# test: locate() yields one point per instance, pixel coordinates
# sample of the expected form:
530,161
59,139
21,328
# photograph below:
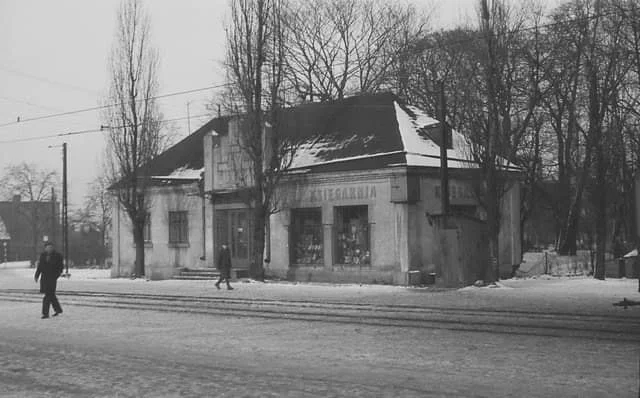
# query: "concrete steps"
198,274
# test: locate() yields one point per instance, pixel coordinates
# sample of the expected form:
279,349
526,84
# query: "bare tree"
605,70
135,134
564,105
511,69
97,208
255,65
343,47
34,186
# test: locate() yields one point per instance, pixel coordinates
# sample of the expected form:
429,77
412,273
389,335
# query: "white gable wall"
162,259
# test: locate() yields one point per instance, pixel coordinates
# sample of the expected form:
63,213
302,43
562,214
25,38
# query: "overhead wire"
96,108
101,129
417,49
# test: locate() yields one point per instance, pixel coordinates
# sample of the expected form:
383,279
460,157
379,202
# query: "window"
178,227
146,233
240,230
352,235
306,236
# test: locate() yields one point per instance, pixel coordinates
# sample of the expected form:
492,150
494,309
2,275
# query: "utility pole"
65,221
444,141
54,218
188,118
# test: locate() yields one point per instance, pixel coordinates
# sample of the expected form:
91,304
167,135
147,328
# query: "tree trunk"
138,239
569,233
256,270
494,246
493,224
601,214
601,232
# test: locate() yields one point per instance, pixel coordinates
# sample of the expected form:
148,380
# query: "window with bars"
178,227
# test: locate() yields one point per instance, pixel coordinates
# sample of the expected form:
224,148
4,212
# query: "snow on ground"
89,274
495,285
80,274
545,294
15,264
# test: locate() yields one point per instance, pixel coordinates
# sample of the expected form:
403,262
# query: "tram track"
554,324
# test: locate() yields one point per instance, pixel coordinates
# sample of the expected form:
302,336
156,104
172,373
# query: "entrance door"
233,227
240,233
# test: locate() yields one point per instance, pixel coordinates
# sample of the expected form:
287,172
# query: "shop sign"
341,193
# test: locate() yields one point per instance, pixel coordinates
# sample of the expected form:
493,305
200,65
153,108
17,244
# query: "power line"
45,80
102,129
17,100
96,108
415,50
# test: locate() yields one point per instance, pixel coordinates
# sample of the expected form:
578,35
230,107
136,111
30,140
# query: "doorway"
233,227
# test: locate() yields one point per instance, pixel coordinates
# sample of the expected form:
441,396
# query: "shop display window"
306,236
352,244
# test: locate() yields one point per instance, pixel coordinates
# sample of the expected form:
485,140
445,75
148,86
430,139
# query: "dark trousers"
48,300
223,278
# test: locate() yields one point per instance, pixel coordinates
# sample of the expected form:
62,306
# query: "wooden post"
65,220
444,167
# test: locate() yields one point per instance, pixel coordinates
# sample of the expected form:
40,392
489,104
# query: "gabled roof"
185,160
360,132
378,128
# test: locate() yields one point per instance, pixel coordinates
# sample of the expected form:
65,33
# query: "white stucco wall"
401,237
388,228
162,260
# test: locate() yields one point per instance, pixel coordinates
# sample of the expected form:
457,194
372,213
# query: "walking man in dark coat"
224,266
50,268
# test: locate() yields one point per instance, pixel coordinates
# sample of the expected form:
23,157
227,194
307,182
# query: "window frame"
339,229
178,227
296,231
146,232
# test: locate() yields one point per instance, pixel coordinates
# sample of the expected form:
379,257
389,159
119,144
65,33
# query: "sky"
53,59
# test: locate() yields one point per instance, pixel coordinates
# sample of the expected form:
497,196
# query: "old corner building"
360,202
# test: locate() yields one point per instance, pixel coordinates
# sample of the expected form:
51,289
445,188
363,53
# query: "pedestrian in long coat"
50,267
224,266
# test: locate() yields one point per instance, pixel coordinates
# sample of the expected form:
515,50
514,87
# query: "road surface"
134,346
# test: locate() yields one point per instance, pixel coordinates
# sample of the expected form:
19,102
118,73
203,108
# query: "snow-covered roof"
182,173
184,161
365,131
377,128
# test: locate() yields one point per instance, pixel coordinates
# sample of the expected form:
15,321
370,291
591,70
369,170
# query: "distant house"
28,224
5,239
355,205
86,246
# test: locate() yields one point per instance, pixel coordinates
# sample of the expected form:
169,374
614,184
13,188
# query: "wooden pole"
444,140
65,220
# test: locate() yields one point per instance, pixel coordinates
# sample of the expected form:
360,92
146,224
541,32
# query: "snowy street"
180,338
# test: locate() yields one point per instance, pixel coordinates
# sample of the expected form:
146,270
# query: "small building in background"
29,224
5,242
